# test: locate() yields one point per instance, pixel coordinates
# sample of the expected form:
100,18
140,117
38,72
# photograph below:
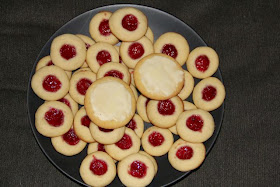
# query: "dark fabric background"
244,33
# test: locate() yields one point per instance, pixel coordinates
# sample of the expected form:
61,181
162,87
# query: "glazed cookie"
132,52
131,76
150,35
68,52
88,41
137,125
53,118
209,94
70,103
127,145
134,91
99,54
203,62
128,24
93,147
68,144
50,83
98,169
136,170
158,77
195,125
110,103
152,159
188,86
79,84
174,45
142,103
185,156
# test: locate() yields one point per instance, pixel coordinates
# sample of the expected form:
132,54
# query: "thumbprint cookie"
150,35
142,103
137,125
188,86
70,103
88,41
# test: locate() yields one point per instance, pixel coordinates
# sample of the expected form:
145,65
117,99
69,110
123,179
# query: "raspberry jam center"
169,50
83,85
132,124
85,121
70,137
138,169
130,22
105,130
68,51
104,28
101,147
209,93
195,123
125,142
98,167
184,153
51,83
54,117
135,50
156,139
103,57
50,63
166,107
65,101
114,73
202,63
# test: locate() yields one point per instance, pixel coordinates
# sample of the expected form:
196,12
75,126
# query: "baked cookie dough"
188,86
134,91
88,41
150,35
131,77
137,125
45,61
142,103
93,147
152,159
73,105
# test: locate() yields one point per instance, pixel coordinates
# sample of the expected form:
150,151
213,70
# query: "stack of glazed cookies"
90,86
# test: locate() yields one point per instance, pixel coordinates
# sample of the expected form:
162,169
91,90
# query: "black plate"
160,22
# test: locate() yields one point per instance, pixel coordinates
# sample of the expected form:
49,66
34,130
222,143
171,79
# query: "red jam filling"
138,169
202,63
51,83
101,147
166,107
184,153
83,85
135,50
104,28
156,139
209,93
132,124
68,51
98,167
114,73
103,57
169,50
54,117
105,130
130,22
195,123
87,46
120,59
147,101
85,121
65,101
50,63
70,137
125,142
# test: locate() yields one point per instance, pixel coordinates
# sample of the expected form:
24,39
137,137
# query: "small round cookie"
188,86
79,84
73,105
137,125
128,24
142,103
50,83
98,169
195,125
185,156
134,91
159,76
120,58
131,77
136,170
209,94
174,45
110,103
85,65
106,136
99,28
127,145
68,144
152,159
150,35
93,147
88,41
165,113
68,52
203,62
114,70
99,54
45,61
53,119
132,52
82,70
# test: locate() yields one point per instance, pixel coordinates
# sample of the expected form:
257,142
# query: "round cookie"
174,45
203,62
137,125
209,94
82,70
70,103
136,170
131,77
120,58
165,113
53,119
158,76
157,141
188,86
142,103
50,83
152,159
68,52
85,65
93,147
128,24
134,91
150,35
185,156
88,41
98,169
195,125
110,103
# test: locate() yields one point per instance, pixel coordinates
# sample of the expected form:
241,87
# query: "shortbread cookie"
93,147
188,86
203,62
152,159
53,119
73,105
131,76
50,83
195,125
209,94
98,169
82,70
137,125
185,156
68,52
150,35
136,170
134,91
120,58
110,103
158,76
142,103
174,45
88,41
128,24
85,65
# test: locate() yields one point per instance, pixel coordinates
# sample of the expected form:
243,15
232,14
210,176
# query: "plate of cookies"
126,95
